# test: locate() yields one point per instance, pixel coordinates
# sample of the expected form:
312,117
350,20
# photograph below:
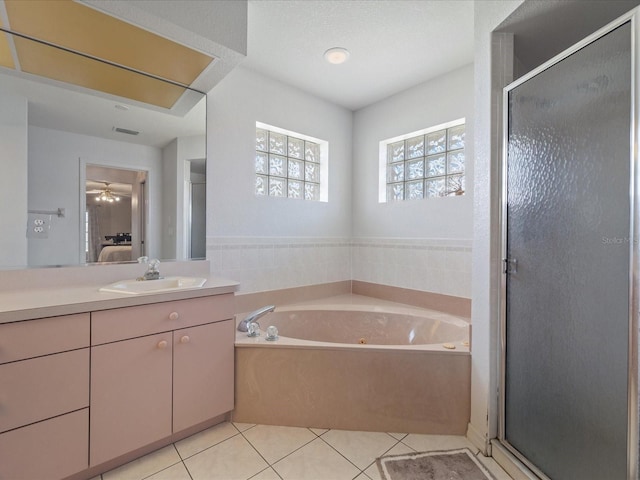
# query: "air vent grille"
125,130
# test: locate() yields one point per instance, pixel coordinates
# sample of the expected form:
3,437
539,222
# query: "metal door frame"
634,227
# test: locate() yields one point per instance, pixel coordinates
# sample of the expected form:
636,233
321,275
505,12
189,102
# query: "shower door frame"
633,17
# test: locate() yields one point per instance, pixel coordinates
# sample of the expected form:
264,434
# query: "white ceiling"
394,44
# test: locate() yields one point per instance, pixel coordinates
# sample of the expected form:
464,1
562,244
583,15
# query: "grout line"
163,469
187,469
410,448
340,453
278,460
383,454
264,470
209,447
257,451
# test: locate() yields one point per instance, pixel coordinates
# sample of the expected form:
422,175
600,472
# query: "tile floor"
236,451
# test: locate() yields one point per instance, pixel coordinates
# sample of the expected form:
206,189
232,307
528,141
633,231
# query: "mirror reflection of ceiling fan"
107,192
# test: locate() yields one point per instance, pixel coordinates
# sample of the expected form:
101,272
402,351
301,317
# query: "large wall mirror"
69,149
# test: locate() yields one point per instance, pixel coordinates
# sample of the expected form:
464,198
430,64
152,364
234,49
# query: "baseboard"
479,440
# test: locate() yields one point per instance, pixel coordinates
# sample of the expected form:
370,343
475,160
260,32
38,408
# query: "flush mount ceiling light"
336,55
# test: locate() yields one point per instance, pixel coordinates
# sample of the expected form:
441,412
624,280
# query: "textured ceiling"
394,45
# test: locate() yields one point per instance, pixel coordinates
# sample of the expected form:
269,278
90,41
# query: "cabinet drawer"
52,449
129,322
40,388
43,336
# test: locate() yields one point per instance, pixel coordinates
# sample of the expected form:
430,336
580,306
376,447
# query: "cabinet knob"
185,339
162,344
174,316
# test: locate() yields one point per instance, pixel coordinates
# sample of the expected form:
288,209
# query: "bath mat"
458,464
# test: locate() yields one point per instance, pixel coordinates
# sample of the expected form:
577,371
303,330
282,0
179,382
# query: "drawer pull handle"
185,339
174,316
162,344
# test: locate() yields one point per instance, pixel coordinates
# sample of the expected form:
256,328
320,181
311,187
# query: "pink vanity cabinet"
44,397
158,369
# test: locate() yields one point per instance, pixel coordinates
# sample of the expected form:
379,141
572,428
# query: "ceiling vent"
125,130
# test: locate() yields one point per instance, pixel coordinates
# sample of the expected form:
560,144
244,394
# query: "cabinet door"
202,373
130,395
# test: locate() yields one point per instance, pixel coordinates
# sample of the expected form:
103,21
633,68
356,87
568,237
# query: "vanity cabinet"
158,369
44,397
203,373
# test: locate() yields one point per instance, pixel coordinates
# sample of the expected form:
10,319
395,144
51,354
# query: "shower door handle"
509,265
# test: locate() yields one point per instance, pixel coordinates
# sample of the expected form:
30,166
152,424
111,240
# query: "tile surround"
440,266
245,451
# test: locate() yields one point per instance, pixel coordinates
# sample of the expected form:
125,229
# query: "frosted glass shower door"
567,245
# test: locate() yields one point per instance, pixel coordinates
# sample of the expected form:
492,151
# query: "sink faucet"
153,270
243,326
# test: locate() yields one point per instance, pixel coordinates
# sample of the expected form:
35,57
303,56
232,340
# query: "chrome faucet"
252,317
153,270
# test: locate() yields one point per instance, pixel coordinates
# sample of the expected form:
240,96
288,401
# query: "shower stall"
570,218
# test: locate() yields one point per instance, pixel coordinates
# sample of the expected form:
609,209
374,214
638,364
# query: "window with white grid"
288,164
424,164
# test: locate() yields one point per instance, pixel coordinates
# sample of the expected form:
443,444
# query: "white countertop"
27,303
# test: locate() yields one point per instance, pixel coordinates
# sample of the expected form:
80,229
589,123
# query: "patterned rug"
460,464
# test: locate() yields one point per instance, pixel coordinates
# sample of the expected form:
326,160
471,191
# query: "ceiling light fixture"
336,55
106,195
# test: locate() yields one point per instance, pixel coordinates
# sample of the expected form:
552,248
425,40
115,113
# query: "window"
289,164
424,164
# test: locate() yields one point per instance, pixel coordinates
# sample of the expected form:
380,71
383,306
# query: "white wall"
486,262
13,180
423,244
443,99
55,160
239,219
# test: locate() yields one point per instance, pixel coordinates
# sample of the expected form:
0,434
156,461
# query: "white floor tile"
400,449
361,448
233,459
319,431
424,443
145,466
177,472
205,439
362,476
275,443
315,461
244,426
398,436
268,474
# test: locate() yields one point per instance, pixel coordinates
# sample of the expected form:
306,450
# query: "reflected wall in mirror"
52,134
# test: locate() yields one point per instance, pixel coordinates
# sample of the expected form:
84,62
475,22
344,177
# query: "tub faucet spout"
252,317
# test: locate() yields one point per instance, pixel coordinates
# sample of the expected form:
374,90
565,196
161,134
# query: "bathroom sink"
167,284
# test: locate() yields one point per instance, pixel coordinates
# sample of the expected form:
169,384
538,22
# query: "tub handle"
253,317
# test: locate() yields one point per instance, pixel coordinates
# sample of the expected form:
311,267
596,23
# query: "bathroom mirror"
53,131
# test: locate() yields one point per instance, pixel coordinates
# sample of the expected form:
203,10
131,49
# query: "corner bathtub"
355,363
